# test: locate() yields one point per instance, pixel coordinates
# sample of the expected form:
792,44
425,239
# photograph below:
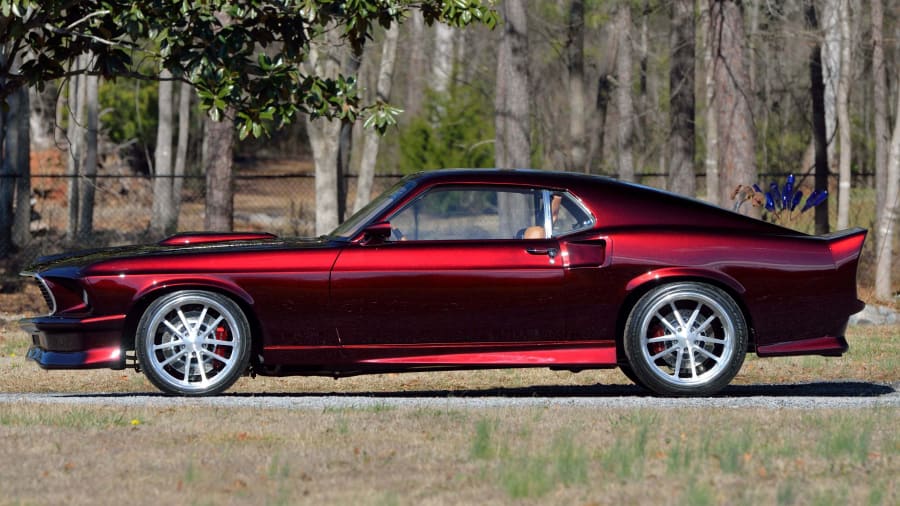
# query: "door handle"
551,252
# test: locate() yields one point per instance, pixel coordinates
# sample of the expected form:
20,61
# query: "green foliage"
455,130
134,103
244,55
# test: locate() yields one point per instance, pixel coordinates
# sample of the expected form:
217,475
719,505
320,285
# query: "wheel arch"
640,285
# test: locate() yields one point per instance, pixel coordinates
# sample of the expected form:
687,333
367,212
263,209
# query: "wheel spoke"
174,329
666,323
693,363
217,342
172,358
678,359
187,367
712,340
184,320
664,353
200,319
169,344
709,355
202,366
220,358
677,314
694,315
661,339
705,325
210,328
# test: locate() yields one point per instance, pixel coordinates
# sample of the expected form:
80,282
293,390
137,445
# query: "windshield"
349,228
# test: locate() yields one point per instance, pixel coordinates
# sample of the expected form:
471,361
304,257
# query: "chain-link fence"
283,204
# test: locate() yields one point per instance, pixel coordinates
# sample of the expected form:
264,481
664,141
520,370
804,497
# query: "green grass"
70,418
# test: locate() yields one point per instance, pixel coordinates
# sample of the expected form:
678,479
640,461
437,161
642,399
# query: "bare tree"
89,180
512,101
219,143
711,134
163,208
184,126
681,99
76,143
624,100
888,217
820,129
736,141
831,66
324,137
372,138
843,116
442,60
577,159
880,104
415,66
18,137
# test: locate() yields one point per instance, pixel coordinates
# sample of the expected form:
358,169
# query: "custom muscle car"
460,269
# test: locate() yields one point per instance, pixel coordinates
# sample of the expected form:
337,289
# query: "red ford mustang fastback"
461,269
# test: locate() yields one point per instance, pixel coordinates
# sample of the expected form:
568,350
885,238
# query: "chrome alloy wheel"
686,338
193,343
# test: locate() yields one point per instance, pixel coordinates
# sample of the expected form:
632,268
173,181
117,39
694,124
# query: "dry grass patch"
379,455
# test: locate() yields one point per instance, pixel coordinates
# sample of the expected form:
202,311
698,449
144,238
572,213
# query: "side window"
468,213
568,215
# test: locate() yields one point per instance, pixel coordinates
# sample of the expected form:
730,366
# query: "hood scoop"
193,238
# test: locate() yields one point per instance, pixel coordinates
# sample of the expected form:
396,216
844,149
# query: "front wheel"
193,343
685,339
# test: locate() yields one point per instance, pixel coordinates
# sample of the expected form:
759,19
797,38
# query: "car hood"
84,258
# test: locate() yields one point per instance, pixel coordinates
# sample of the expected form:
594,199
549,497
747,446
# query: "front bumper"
76,343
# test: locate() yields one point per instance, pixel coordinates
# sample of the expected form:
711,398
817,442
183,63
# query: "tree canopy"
238,54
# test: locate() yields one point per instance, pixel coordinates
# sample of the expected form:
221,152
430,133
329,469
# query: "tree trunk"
88,182
711,156
888,218
512,102
184,128
575,43
20,154
736,141
881,106
442,61
820,136
7,186
831,67
681,98
162,163
416,66
75,140
324,136
624,101
219,185
843,111
372,138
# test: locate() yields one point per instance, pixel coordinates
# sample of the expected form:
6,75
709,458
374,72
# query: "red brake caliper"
657,331
221,335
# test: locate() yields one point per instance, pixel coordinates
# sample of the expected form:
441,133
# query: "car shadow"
817,389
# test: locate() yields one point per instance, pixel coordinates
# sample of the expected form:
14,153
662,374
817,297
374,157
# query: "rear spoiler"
845,245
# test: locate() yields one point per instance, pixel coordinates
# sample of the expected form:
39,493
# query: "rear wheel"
685,339
193,343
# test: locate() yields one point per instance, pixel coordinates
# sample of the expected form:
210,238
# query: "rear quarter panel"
786,284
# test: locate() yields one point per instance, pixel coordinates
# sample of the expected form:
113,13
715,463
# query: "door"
466,268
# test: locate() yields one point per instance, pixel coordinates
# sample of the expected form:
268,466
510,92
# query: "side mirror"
377,232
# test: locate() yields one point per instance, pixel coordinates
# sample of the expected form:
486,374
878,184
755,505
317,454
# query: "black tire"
629,373
193,343
685,339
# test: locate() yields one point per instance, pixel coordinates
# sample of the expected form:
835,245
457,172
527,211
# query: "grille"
48,297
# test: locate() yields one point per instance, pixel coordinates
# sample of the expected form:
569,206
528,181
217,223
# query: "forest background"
127,122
